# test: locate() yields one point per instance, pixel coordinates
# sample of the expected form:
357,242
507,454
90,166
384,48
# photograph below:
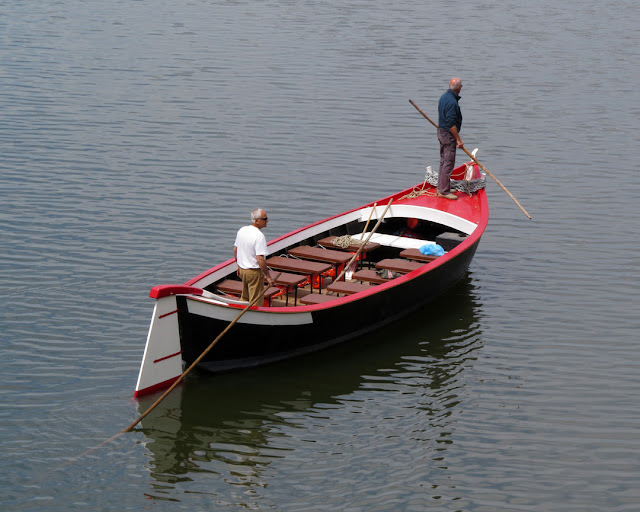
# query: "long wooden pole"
353,258
476,161
200,357
368,220
178,380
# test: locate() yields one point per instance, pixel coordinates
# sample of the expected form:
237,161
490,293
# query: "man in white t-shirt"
249,251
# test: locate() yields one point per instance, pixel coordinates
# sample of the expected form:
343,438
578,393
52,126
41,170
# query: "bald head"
455,84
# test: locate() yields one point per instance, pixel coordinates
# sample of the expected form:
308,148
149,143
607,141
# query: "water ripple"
136,137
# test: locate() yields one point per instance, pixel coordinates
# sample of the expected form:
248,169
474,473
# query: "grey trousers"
448,148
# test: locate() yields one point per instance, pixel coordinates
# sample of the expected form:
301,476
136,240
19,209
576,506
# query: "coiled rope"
345,241
431,177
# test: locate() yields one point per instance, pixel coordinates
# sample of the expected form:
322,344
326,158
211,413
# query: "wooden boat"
313,306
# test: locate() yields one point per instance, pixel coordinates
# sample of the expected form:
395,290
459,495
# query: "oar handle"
423,114
368,220
476,161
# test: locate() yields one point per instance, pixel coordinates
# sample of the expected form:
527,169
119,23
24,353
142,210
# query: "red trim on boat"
164,290
155,387
169,313
167,357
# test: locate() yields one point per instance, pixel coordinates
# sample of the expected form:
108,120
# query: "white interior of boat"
400,242
420,212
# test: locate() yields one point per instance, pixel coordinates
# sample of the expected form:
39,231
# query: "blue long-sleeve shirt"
449,111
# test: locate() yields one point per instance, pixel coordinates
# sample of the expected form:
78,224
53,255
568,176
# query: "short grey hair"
256,214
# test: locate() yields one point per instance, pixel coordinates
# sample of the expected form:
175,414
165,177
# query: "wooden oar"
362,246
497,181
200,357
368,220
479,164
352,262
178,380
425,115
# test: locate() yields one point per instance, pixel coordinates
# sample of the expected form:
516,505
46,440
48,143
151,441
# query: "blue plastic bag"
432,250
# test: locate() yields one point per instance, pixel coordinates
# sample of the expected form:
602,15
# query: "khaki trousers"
252,284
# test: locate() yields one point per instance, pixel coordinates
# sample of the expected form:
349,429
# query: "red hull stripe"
156,387
167,314
167,357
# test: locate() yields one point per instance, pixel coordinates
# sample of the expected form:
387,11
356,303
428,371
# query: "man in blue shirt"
449,123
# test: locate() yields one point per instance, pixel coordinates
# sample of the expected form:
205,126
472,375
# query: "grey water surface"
135,137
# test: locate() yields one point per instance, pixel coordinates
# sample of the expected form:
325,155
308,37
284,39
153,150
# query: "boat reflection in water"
232,425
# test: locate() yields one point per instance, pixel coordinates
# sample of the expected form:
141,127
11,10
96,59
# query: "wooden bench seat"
337,259
289,282
305,267
399,265
347,288
415,254
319,254
233,287
297,266
317,298
370,276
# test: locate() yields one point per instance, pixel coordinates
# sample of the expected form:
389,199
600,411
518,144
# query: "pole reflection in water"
239,427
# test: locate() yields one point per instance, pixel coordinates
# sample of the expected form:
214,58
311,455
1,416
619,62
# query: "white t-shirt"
250,242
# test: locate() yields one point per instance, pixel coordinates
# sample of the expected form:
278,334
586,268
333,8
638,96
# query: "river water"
135,137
